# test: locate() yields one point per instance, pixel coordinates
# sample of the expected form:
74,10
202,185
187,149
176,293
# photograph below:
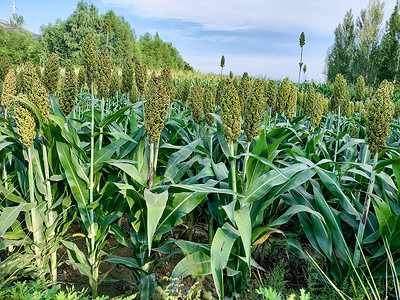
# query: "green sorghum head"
127,76
302,39
220,92
270,94
68,93
244,91
196,102
309,101
69,66
326,106
90,59
353,129
168,81
51,73
339,96
282,96
36,91
318,109
10,87
222,61
360,89
254,110
140,76
379,115
24,118
290,108
115,84
39,72
20,79
230,112
81,78
209,104
104,74
4,67
156,108
231,75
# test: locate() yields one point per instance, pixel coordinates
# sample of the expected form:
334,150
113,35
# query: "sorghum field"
154,184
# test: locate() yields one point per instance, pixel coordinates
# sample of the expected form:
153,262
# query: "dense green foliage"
65,38
364,47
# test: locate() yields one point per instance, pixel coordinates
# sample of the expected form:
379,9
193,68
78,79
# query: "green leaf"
114,116
179,156
155,207
77,185
10,215
243,223
148,286
221,248
295,209
129,262
130,170
180,204
195,264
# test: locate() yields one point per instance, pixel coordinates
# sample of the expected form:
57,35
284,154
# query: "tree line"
109,31
363,46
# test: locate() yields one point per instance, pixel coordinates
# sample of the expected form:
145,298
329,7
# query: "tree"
368,33
340,55
389,48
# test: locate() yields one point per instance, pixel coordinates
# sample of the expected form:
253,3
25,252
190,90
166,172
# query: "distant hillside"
7,26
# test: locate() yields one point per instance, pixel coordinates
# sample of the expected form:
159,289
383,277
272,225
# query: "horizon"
256,37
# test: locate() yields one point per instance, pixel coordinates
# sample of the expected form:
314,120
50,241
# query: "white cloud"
320,16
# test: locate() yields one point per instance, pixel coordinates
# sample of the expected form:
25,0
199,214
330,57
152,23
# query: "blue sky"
260,37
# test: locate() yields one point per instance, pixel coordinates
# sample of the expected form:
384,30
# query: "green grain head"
360,89
244,91
68,93
209,104
104,74
24,118
196,102
220,92
166,76
230,112
270,93
254,110
156,108
318,109
302,39
379,115
115,84
290,108
39,72
90,59
353,132
300,100
36,91
282,96
339,96
4,67
51,73
231,75
10,87
140,76
127,76
69,66
309,101
20,79
81,78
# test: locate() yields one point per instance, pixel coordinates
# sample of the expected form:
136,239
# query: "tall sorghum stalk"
252,116
302,43
156,108
377,124
103,83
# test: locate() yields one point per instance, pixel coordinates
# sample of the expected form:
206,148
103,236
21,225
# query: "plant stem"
50,215
91,231
337,135
101,128
246,158
363,222
151,165
233,169
156,154
37,237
